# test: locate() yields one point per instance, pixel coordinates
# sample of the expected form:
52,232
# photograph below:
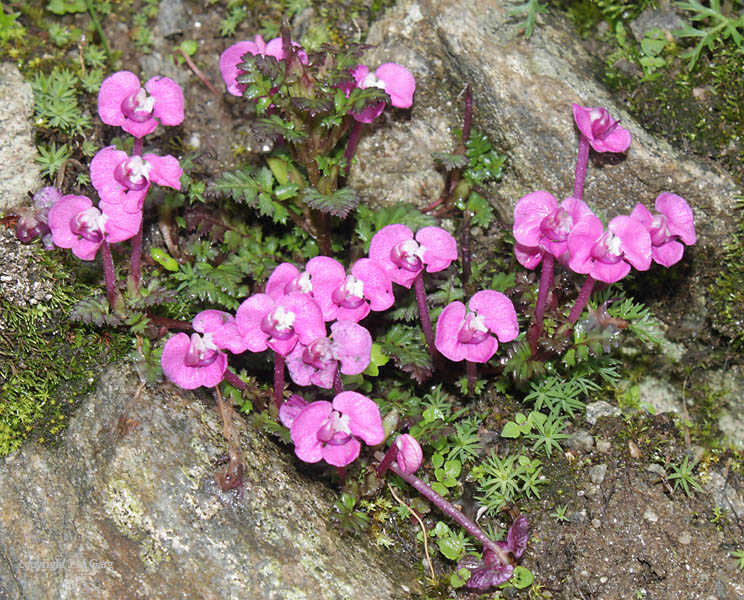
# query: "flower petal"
364,416
168,100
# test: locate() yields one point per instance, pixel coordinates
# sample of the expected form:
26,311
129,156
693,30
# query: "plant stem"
546,282
135,262
351,145
338,385
418,286
453,513
278,379
234,380
581,161
109,274
137,146
471,370
582,299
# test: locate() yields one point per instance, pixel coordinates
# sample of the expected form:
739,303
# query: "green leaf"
339,204
280,169
451,547
286,191
452,469
522,577
439,488
377,359
62,7
511,430
164,259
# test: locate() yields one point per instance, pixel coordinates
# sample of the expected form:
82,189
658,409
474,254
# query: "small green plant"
528,11
683,477
739,556
559,514
716,27
446,473
56,104
51,158
348,516
501,481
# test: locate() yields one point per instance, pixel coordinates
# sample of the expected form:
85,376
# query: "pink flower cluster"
121,181
395,80
290,318
573,235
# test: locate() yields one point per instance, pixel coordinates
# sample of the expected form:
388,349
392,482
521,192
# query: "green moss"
727,297
46,362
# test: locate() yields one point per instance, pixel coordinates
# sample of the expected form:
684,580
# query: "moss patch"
46,362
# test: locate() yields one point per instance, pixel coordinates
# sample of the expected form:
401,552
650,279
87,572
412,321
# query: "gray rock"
581,440
660,395
597,473
522,96
595,410
665,19
172,17
19,174
125,506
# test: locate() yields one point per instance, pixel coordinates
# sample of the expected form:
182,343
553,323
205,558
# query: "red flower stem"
471,370
278,379
453,513
546,282
234,380
197,71
581,161
418,286
582,299
351,145
387,460
109,274
135,261
338,385
137,147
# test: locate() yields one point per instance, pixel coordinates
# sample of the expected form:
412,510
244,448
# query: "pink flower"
672,227
75,223
541,225
331,431
193,362
394,79
123,102
124,180
316,363
279,325
403,258
608,255
233,56
339,296
603,132
34,220
410,456
466,334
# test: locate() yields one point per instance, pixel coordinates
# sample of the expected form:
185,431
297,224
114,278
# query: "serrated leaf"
450,161
338,204
94,311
